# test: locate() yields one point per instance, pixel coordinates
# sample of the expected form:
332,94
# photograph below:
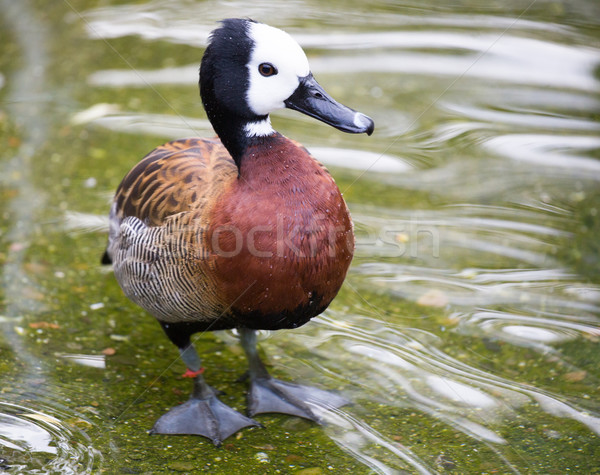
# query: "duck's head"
249,70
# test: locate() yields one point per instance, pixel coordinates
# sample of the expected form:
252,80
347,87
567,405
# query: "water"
467,331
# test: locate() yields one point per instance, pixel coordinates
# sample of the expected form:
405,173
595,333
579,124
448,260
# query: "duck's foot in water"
203,414
268,394
271,395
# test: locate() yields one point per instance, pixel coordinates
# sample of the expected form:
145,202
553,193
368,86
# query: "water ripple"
400,370
551,151
40,442
456,288
163,125
534,331
520,235
355,436
521,118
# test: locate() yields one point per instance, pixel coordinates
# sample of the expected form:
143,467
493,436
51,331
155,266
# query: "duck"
245,231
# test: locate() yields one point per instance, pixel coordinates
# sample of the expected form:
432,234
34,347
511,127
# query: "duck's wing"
177,177
157,237
173,178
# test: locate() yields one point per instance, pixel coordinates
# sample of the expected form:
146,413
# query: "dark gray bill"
311,99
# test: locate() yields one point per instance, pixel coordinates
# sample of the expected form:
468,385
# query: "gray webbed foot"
208,417
272,395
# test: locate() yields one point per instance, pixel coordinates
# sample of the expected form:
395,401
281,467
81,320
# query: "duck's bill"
311,99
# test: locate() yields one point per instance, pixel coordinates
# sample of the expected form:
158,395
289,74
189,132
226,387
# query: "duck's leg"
268,394
203,414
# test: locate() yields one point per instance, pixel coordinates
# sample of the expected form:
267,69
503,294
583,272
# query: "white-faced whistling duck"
244,231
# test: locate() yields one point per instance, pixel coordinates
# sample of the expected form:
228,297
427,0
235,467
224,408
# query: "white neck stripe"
259,129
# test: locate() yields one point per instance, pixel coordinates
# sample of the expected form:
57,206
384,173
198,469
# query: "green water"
467,332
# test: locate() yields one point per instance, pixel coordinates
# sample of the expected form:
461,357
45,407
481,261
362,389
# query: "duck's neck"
239,135
237,131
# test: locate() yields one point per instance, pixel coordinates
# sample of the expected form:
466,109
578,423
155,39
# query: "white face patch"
276,47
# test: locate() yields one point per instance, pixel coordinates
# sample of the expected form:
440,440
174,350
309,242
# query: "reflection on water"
21,434
465,334
144,123
94,361
33,441
505,53
548,150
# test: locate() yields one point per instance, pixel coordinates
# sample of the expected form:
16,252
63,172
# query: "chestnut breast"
280,236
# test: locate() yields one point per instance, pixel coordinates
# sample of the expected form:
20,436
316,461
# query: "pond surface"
467,332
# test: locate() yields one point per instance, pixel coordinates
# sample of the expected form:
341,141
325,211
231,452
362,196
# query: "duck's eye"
267,69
